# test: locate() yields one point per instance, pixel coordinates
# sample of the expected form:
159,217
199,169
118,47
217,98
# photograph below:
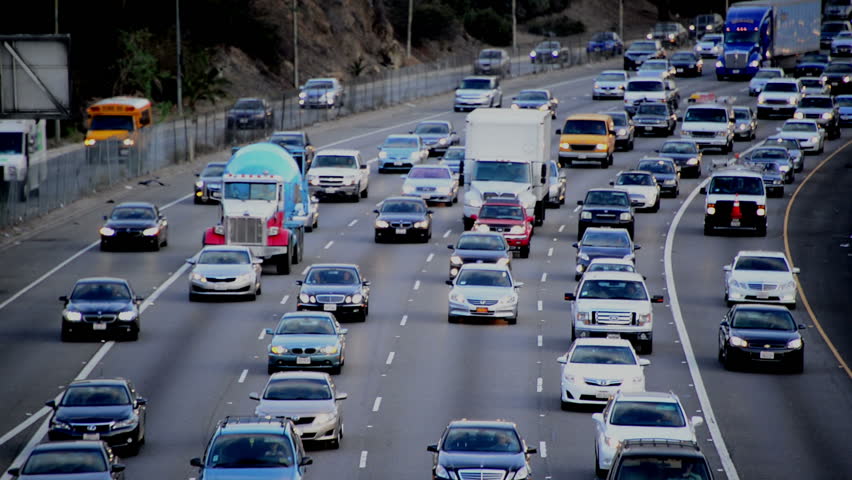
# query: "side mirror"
644,362
299,282
530,219
451,247
598,417
703,191
139,299
612,183
575,245
532,450
563,359
63,298
14,472
636,246
344,331
657,151
50,404
197,174
257,261
657,299
726,268
140,401
430,212
410,132
449,282
579,202
519,284
796,270
254,396
305,461
697,421
724,323
105,218
570,297
363,167
269,331
365,283
341,396
196,462
376,211
802,326
559,131
190,261
432,448
116,468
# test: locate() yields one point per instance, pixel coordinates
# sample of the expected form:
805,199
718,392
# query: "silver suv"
478,91
492,61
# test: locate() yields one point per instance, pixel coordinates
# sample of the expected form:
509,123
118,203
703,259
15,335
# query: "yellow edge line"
802,295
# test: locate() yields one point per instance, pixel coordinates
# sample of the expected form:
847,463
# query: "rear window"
644,86
584,127
648,468
736,185
647,414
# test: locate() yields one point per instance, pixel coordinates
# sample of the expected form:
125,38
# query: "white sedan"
594,369
642,188
433,183
760,276
639,415
807,132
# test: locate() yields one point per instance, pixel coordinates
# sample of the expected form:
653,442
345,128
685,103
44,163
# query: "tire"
599,472
104,246
630,147
647,346
66,336
452,319
569,163
282,266
605,162
166,241
708,230
727,363
132,336
761,231
512,321
366,192
197,200
270,369
798,366
335,443
193,297
565,406
468,223
656,207
336,370
577,277
525,252
573,332
252,297
156,246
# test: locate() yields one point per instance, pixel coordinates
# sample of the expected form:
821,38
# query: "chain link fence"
80,172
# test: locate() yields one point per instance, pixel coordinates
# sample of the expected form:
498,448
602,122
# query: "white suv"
780,96
339,173
613,305
709,125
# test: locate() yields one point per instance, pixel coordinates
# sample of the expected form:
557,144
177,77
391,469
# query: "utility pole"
295,44
57,133
179,61
408,39
621,19
514,28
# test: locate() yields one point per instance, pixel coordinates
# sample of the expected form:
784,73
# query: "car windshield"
811,83
605,354
250,450
647,414
250,191
648,467
475,84
683,57
432,128
547,45
832,27
471,439
400,142
816,102
65,462
767,74
292,140
584,127
613,290
481,242
838,68
213,171
489,54
763,319
310,325
132,213
736,185
251,104
844,101
742,115
532,96
319,85
430,172
656,109
502,172
713,115
762,264
610,267
483,278
780,87
332,276
799,127
502,212
334,161
95,396
656,166
11,143
769,154
607,199
746,36
112,122
297,389
644,86
403,206
635,179
223,257
454,154
611,77
100,291
679,147
614,239
843,35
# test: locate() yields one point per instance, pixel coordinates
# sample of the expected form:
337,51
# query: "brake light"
711,209
761,210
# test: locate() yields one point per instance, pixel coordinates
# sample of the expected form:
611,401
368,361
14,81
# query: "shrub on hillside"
561,26
489,27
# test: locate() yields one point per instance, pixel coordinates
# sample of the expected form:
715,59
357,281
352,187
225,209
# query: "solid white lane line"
377,404
539,385
561,227
550,252
544,277
243,376
540,305
305,271
577,208
430,257
417,284
404,320
362,463
284,300
540,340
262,334
352,223
328,245
542,449
692,363
447,233
390,358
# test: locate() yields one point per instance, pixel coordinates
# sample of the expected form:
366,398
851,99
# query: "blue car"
306,340
844,103
540,99
437,135
401,152
811,65
603,243
605,42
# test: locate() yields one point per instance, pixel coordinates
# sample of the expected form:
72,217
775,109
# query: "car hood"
661,177
704,126
637,189
530,103
333,171
841,41
482,293
706,45
134,224
430,182
470,92
630,97
70,476
799,135
458,460
284,473
488,61
811,65
603,371
813,110
330,289
845,110
751,276
610,305
291,339
630,54
433,137
399,151
604,252
624,432
778,95
93,414
295,408
212,270
84,306
487,256
611,83
761,335
605,209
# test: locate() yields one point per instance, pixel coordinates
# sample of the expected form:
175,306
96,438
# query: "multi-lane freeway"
409,371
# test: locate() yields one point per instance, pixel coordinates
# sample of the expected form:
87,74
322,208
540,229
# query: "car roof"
216,164
329,79
615,113
100,381
102,280
288,133
333,265
480,77
656,159
339,152
430,166
736,172
225,248
819,96
623,72
761,306
441,122
589,116
800,120
646,396
615,342
761,253
633,276
252,425
542,90
403,135
481,234
403,198
783,80
655,447
707,106
135,205
646,79
634,172
307,313
617,231
303,374
503,424
606,190
69,445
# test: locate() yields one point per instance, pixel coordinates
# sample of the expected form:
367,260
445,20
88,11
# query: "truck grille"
330,181
776,101
91,427
703,134
613,318
245,230
736,60
481,474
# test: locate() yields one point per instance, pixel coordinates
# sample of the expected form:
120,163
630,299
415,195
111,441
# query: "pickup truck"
336,173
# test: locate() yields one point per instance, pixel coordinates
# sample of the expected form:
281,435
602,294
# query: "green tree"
138,68
202,81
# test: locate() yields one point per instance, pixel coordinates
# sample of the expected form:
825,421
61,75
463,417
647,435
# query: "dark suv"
250,113
605,207
657,458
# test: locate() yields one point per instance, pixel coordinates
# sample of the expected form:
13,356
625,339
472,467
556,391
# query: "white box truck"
23,155
506,153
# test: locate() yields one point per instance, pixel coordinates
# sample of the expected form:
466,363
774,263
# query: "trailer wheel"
282,266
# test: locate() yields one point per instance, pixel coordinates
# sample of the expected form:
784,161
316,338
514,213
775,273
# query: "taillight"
761,210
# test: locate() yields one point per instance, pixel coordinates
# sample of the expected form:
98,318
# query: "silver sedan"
432,183
224,270
484,291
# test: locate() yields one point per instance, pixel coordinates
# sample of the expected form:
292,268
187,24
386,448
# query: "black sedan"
81,459
250,113
686,155
761,333
839,76
655,119
336,288
479,247
101,306
108,410
403,218
665,172
605,207
135,223
687,64
476,449
811,65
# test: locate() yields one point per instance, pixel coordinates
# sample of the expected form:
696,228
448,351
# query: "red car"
509,218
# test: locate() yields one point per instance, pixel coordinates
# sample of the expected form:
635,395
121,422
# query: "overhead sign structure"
34,76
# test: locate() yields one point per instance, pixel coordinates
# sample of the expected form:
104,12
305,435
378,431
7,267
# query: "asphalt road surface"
191,357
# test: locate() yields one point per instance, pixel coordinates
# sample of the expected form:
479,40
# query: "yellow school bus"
118,118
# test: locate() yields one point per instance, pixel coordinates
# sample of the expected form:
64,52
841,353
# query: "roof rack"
659,442
243,419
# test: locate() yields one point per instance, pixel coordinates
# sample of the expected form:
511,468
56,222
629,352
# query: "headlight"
565,146
754,63
692,161
671,36
481,228
743,126
408,188
545,107
621,132
442,141
383,154
517,230
761,99
761,210
638,379
846,79
150,232
596,85
422,224
508,300
329,349
555,53
649,36
583,256
382,224
624,216
827,115
314,181
278,350
612,442
456,260
503,261
60,425
457,297
245,276
792,100
789,285
586,215
349,181
128,142
107,232
584,317
357,298
719,64
127,316
670,181
824,79
784,168
199,277
127,423
814,139
304,298
522,474
643,318
414,155
89,142
600,146
303,95
799,115
737,342
199,184
273,231
440,471
533,54
795,344
73,316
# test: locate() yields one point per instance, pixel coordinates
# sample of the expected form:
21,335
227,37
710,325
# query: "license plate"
602,394
679,70
397,163
330,190
763,296
481,309
776,108
582,157
220,287
735,223
613,335
91,436
648,129
243,120
303,360
735,71
215,194
400,231
767,355
329,307
99,326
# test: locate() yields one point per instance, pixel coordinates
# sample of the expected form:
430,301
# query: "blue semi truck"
767,33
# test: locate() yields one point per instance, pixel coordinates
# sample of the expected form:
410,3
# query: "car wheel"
798,365
336,370
270,369
647,346
599,472
132,336
630,147
251,297
452,319
726,359
573,332
565,406
335,443
197,200
156,245
512,321
656,207
605,162
66,336
761,231
525,252
193,297
708,230
104,246
166,242
282,266
366,192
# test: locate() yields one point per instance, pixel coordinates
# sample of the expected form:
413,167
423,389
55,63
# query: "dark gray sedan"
540,99
479,247
665,172
77,460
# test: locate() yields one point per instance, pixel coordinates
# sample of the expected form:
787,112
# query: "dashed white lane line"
430,257
262,334
540,341
328,245
550,252
377,404
352,223
562,227
542,449
417,284
403,321
372,160
305,271
243,376
544,277
390,358
577,208
540,305
286,297
539,385
362,463
447,233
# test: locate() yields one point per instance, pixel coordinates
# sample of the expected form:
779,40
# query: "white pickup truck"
339,173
